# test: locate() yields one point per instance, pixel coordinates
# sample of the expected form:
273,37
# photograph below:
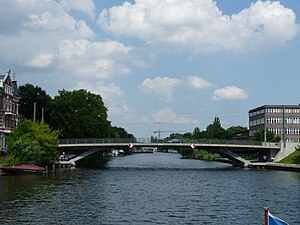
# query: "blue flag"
273,220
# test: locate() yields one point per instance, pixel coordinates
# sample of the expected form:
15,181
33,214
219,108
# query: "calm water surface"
155,188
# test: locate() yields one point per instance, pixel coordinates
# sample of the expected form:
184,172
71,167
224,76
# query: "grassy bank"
293,158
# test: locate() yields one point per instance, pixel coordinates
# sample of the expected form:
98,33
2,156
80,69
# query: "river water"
155,188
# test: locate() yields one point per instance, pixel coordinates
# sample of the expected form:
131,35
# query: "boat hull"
23,169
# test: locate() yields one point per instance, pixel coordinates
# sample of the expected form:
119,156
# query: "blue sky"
168,65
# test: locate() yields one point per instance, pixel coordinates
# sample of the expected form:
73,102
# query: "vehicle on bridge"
175,141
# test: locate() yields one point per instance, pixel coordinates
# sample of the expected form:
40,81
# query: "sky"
159,65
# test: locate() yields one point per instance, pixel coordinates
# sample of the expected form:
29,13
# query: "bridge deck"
225,148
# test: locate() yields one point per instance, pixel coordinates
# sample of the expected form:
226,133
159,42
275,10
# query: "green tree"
119,132
80,114
233,130
271,137
29,95
215,130
32,142
198,134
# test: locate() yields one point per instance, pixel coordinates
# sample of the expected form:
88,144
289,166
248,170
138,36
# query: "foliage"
80,114
271,137
77,114
29,95
32,142
200,155
23,150
119,132
233,130
198,134
215,130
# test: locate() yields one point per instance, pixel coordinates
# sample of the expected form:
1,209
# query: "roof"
275,106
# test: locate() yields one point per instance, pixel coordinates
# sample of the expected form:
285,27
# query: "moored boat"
23,169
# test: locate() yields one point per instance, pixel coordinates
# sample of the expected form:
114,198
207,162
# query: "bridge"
230,149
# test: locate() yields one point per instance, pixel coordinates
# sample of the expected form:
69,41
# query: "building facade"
283,120
9,105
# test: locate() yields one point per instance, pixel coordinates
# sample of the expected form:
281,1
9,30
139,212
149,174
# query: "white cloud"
42,60
86,6
37,27
230,93
109,92
198,82
200,26
58,21
167,115
161,86
93,59
84,30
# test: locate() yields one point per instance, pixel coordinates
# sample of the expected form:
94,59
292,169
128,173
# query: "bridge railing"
148,141
93,141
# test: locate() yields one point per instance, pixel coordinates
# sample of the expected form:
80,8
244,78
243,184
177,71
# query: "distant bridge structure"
230,149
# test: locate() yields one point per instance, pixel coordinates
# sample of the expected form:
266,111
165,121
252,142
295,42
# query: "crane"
166,131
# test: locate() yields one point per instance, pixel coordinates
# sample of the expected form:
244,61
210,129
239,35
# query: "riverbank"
275,166
268,165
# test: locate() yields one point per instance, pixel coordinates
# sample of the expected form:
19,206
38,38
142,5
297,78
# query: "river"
150,189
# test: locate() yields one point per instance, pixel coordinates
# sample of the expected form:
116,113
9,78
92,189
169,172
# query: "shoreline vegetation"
200,155
292,159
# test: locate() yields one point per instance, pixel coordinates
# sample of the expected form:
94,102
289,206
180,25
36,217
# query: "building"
283,120
241,136
9,104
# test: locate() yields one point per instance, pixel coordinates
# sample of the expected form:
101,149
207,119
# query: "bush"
32,143
201,155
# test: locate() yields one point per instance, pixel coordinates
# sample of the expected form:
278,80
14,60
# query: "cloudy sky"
169,65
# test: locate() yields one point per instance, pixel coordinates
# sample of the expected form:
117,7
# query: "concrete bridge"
227,148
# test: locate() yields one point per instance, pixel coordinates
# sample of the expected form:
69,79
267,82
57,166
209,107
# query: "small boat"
23,169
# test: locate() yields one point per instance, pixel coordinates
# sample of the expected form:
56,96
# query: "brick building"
9,104
283,120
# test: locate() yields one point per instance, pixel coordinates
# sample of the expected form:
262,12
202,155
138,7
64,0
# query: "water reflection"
151,189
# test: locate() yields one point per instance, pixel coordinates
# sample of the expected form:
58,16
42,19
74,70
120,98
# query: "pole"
266,216
42,114
283,126
265,128
34,111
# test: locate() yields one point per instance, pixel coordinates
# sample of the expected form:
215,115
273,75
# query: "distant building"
283,120
241,136
9,104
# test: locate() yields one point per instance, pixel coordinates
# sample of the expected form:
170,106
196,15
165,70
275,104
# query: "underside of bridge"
237,161
89,155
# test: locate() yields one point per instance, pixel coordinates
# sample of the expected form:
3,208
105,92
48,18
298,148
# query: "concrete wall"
286,150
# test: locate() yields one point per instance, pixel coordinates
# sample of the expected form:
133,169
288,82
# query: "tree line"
75,114
216,131
79,114
213,131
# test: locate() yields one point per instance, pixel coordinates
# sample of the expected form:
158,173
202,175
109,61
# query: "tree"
233,130
119,132
32,142
260,134
198,134
215,130
29,95
80,114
